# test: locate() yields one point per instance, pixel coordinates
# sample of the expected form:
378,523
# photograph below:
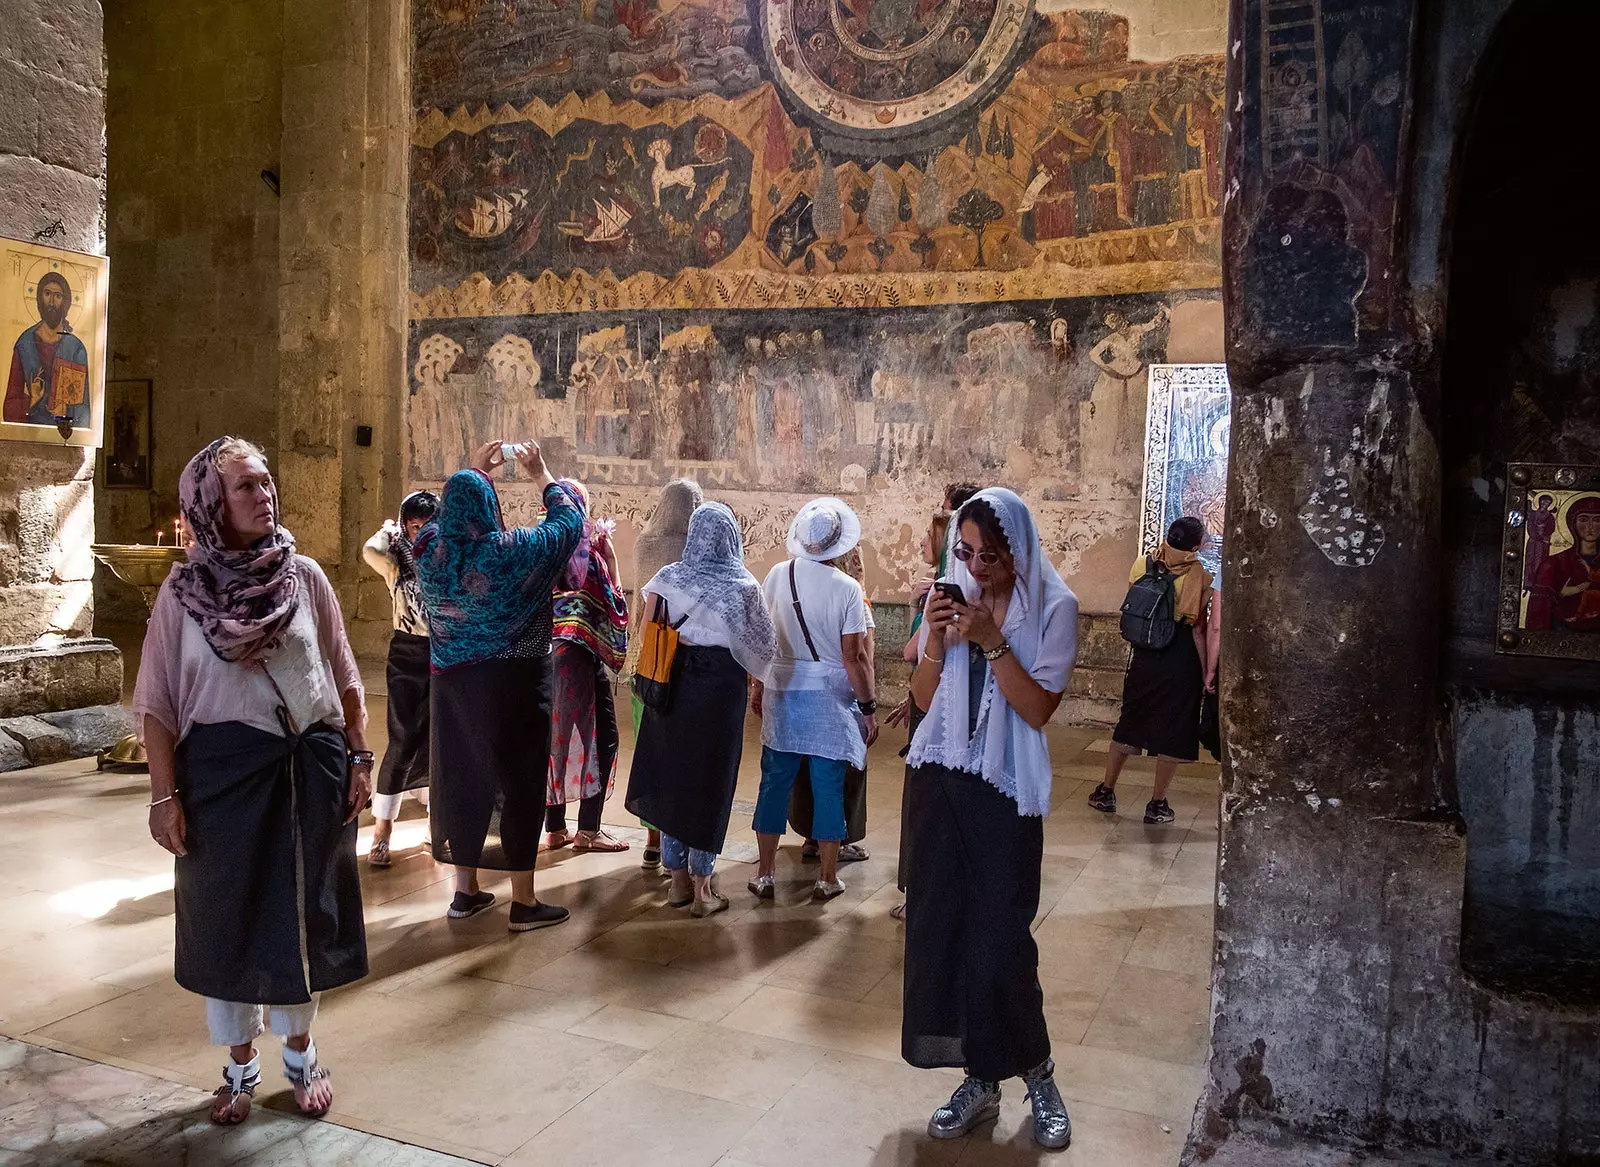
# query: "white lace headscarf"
712,575
1010,754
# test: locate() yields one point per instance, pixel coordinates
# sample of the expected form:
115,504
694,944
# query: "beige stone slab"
724,1063
1194,868
470,1080
1085,954
839,964
1107,903
1123,1081
1155,1013
31,998
1172,950
1101,1137
1184,908
450,989
160,1026
854,1112
638,1028
825,1022
753,948
686,993
1070,1006
635,1123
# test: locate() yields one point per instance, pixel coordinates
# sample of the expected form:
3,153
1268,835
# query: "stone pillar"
1341,1012
52,191
342,283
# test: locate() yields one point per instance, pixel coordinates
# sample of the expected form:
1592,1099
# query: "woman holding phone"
991,671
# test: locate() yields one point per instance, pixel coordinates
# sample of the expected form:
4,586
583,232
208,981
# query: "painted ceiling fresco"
604,155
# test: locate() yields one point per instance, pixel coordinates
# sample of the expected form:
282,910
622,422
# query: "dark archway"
1521,384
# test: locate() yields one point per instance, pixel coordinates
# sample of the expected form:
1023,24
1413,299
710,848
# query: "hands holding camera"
487,457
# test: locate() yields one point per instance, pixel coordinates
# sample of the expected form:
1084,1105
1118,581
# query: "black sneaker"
1104,798
525,917
1156,811
465,906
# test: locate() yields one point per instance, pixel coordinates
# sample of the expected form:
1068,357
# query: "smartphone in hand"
950,591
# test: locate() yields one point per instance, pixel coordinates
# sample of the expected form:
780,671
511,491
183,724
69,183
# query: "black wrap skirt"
490,762
686,761
972,994
268,900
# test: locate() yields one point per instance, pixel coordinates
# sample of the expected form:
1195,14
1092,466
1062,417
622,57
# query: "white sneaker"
826,891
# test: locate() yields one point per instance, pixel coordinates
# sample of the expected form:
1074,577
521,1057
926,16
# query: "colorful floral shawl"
482,584
242,600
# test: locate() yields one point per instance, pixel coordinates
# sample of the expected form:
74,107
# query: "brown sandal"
597,841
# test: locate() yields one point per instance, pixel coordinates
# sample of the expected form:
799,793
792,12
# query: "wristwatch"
361,757
867,708
994,654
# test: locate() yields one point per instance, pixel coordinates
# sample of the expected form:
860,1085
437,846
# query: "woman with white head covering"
817,707
990,673
660,543
686,764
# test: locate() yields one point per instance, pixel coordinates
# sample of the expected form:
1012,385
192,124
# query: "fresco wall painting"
853,246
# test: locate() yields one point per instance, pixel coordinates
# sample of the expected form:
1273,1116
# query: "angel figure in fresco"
1566,592
1541,529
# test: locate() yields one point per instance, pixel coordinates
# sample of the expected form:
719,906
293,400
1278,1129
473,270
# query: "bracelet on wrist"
926,655
160,801
993,654
867,708
361,757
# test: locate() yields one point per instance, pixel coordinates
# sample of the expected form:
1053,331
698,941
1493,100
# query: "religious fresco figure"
1151,159
1111,424
1102,176
1541,529
49,365
1566,591
1054,213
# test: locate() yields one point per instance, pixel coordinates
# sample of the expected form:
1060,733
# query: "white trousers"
234,1023
387,806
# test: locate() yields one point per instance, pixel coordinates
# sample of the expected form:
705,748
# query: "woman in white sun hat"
817,706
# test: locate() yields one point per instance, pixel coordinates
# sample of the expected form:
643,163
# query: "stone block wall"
52,191
193,118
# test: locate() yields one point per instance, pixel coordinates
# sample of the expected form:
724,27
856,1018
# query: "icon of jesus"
49,379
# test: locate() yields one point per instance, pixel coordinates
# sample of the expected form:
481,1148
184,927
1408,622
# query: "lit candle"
160,535
177,532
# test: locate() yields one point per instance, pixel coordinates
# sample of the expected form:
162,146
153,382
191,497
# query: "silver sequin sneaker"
1052,1129
975,1101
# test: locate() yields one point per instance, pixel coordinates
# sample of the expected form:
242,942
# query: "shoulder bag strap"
800,613
663,615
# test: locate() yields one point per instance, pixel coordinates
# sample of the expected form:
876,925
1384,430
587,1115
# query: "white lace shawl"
1041,626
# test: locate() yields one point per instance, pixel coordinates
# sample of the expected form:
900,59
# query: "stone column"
52,191
342,281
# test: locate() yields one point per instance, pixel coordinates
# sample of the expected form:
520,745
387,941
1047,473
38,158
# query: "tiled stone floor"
766,1036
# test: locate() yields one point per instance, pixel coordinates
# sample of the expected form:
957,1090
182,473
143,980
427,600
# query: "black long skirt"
405,760
1161,700
686,761
903,867
490,762
972,994
268,900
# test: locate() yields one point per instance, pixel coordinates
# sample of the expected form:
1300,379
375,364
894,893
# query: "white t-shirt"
834,607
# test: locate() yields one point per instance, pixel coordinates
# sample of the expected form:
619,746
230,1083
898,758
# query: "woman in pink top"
254,719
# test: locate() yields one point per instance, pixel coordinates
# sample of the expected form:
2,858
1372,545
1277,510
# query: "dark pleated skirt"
490,763
686,762
972,994
405,760
1161,700
271,866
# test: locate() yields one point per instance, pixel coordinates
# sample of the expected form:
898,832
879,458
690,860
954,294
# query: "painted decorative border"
1525,480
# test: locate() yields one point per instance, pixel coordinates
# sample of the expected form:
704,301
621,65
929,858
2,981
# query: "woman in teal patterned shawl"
487,592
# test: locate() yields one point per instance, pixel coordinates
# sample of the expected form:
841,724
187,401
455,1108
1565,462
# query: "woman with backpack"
1162,691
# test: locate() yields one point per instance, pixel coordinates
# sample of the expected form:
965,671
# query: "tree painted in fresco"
975,211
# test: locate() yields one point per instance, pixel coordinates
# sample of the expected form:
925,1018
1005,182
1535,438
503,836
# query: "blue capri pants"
778,773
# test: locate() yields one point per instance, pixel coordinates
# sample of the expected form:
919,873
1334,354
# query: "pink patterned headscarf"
242,600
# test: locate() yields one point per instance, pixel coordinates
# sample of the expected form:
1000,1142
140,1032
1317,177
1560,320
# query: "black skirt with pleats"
405,759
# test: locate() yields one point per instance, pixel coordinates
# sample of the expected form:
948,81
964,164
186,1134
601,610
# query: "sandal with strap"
237,1081
379,855
598,841
303,1071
